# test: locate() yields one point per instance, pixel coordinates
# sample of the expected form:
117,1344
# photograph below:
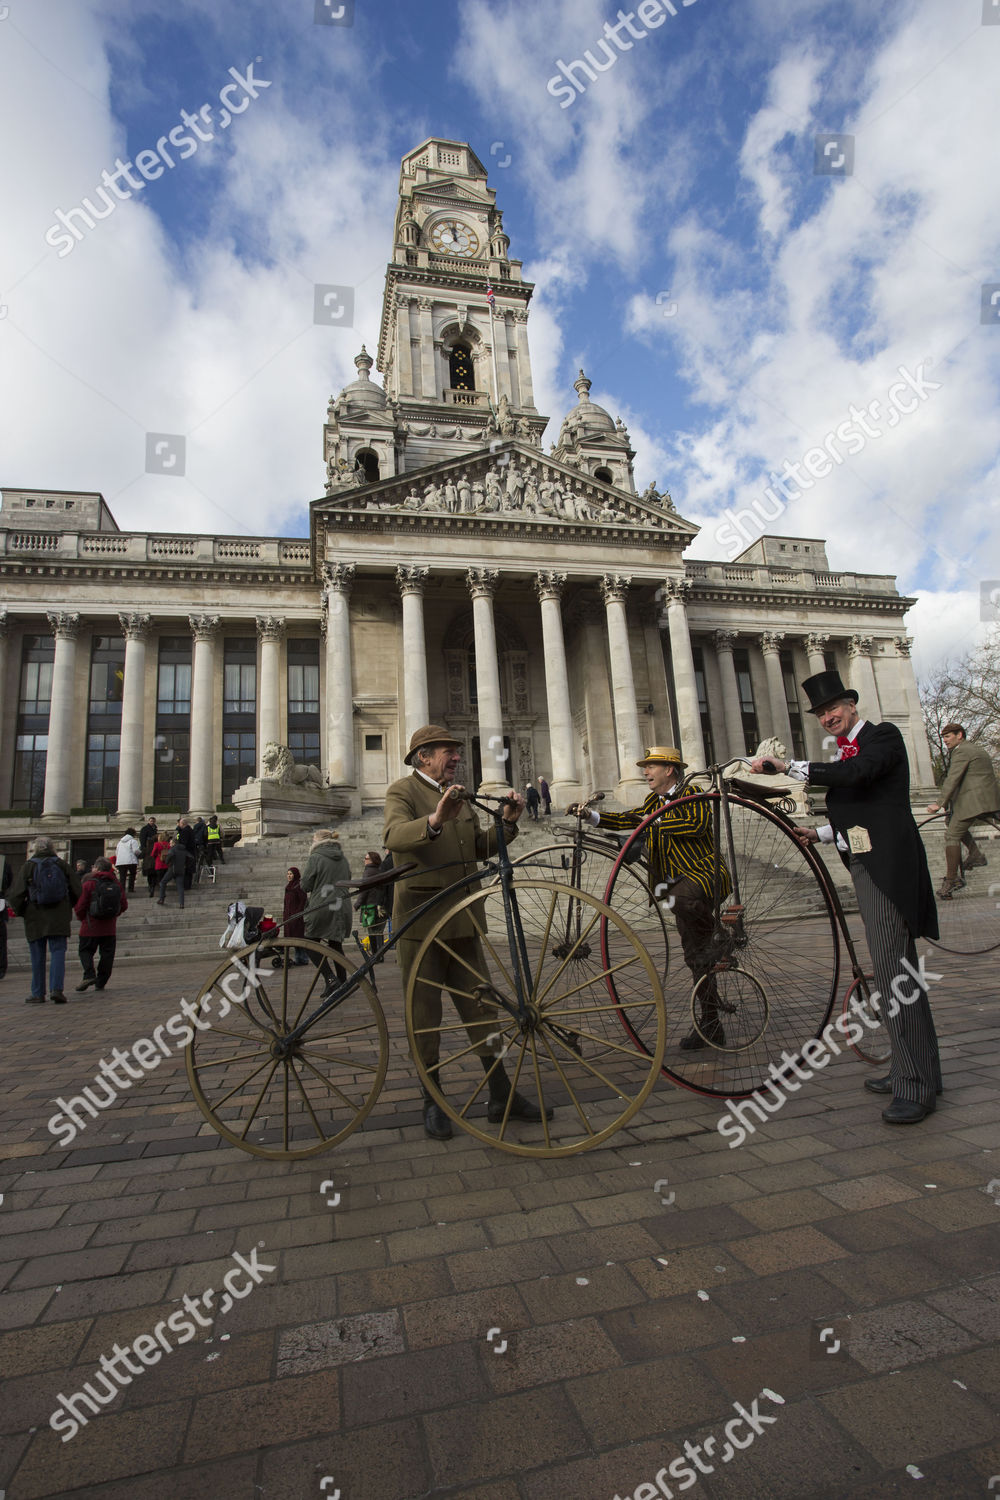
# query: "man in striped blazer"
868,802
682,871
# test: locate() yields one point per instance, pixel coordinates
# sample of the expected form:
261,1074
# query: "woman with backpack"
101,902
43,894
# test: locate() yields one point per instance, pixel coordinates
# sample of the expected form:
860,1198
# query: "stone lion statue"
771,746
278,764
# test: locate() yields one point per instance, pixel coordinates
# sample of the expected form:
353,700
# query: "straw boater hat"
429,734
662,755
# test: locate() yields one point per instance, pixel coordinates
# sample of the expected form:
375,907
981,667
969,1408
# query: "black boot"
436,1123
499,1086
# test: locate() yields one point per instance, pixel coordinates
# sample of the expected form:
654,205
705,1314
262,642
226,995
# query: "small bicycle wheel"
768,980
589,870
968,919
269,1097
873,1045
556,1049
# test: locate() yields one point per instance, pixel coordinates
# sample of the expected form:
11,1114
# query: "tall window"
748,711
798,745
703,713
31,736
462,371
172,766
303,701
104,722
239,713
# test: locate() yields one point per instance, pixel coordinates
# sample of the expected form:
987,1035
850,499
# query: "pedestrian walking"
158,854
44,892
185,834
101,902
213,841
532,799
294,905
546,796
127,856
177,861
328,912
148,836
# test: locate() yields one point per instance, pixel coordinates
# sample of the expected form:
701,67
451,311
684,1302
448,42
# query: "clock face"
452,237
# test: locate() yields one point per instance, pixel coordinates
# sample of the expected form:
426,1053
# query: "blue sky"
732,303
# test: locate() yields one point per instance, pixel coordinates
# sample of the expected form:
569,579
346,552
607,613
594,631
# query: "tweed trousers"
915,1068
459,975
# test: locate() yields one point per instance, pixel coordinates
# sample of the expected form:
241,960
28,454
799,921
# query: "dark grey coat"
328,912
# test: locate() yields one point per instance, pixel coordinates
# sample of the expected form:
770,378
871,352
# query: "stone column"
404,361
815,647
523,359
270,630
565,773
416,708
862,675
631,785
428,373
201,779
732,711
9,719
921,768
339,683
692,746
136,629
482,584
61,739
804,656
770,645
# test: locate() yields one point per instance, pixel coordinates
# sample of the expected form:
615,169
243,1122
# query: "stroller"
243,927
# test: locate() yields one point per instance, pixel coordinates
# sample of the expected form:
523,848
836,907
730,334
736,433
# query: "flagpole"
493,346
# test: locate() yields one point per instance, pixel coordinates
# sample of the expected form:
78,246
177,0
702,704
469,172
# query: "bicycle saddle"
756,792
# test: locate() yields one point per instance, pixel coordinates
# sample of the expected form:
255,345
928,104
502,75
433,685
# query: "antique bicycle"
774,954
287,1063
969,919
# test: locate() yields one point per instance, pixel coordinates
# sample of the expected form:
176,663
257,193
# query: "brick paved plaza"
467,1323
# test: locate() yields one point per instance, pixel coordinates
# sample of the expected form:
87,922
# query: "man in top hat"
425,823
869,806
682,872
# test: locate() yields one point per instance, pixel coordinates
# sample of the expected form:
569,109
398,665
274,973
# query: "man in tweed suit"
869,806
971,788
442,834
682,873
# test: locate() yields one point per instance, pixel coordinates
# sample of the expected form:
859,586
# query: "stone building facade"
533,601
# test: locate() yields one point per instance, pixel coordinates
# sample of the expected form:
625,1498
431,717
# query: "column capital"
614,587
860,645
903,644
136,627
65,627
817,644
338,578
425,303
724,640
411,580
549,585
270,627
482,582
770,640
676,590
204,627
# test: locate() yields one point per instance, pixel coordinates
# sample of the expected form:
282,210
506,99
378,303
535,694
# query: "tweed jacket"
872,791
460,846
971,783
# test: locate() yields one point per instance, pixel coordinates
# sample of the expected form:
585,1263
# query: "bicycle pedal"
731,915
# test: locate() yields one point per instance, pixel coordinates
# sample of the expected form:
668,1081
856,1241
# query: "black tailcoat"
872,791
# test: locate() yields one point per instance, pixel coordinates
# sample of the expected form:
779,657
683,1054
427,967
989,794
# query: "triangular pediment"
510,483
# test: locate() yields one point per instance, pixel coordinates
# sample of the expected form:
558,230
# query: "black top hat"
825,688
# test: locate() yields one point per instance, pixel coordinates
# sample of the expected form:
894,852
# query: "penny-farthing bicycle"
969,919
287,1063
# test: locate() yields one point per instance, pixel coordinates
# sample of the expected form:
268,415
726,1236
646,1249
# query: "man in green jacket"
972,789
442,835
48,923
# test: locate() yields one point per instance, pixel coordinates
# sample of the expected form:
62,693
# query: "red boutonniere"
848,749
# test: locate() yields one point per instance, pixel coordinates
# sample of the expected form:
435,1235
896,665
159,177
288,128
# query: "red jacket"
157,852
91,926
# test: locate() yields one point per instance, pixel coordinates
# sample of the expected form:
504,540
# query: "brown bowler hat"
662,755
430,734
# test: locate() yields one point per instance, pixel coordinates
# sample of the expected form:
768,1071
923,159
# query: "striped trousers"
915,1068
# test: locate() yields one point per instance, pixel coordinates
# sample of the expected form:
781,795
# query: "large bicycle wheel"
968,919
773,957
589,868
873,1045
275,1099
557,1050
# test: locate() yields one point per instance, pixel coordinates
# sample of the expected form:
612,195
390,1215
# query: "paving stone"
559,1297
914,1415
438,1239
697,1268
259,1415
86,1298
766,1253
395,1286
618,1242
319,1346
876,1229
963,1209
53,1347
617,1471
670,1325
108,1447
557,1218
408,1383
509,1432
887,1338
231,1479
466,1315
976,1308
497,1267
383,1460
658,1396
757,1306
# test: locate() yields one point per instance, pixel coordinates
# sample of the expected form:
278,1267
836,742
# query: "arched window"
366,460
604,475
462,370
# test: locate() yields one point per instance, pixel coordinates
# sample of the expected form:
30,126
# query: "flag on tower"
491,299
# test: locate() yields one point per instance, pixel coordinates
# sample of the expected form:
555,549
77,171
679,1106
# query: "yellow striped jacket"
680,844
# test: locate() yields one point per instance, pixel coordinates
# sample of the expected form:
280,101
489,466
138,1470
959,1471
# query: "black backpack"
105,899
48,885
